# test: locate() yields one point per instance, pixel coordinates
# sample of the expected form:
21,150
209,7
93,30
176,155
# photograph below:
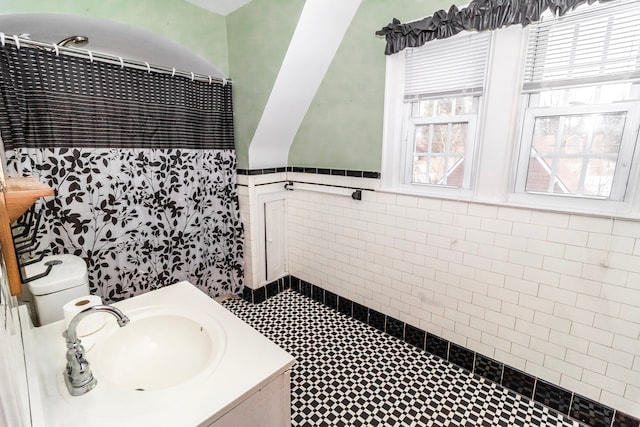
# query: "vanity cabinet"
270,406
18,196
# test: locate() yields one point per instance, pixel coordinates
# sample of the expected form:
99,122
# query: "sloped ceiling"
303,69
221,7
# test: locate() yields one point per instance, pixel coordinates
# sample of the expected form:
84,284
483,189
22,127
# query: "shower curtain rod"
105,57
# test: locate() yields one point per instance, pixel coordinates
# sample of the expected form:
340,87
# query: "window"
440,104
581,119
546,116
440,132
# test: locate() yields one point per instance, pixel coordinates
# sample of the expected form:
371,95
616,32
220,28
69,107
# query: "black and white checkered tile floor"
350,374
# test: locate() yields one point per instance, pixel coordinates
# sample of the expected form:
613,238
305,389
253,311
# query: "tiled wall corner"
251,186
246,197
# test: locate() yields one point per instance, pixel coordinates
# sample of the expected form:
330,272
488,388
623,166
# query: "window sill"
555,204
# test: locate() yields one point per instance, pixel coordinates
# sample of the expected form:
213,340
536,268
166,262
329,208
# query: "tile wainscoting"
554,295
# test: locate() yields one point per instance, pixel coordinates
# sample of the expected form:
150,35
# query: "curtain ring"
121,62
90,55
2,39
55,47
148,67
224,82
209,79
192,76
173,73
17,41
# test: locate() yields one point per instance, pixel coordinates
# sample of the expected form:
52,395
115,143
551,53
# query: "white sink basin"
196,362
161,347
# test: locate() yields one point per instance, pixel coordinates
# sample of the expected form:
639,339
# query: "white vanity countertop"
249,362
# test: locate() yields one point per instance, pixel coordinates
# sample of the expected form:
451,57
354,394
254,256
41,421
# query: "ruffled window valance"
480,15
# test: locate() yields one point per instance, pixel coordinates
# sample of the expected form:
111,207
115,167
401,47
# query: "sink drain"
139,389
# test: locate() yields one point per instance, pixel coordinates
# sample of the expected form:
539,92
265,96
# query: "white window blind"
447,67
598,44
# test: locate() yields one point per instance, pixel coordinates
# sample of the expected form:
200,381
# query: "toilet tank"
67,280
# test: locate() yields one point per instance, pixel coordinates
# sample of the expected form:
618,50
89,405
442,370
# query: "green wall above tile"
259,35
343,126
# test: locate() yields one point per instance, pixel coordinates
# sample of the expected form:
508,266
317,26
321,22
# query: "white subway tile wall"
555,295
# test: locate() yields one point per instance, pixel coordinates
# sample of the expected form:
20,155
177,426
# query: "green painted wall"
258,35
343,126
198,30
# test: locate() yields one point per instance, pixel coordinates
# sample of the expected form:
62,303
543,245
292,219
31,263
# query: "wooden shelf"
20,194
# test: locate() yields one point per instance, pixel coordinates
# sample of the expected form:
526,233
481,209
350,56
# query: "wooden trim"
8,250
19,195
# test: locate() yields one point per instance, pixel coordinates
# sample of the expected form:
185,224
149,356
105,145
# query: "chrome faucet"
77,375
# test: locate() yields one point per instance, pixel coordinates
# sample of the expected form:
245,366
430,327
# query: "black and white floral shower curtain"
143,166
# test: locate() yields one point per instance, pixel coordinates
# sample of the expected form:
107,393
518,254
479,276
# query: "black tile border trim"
261,294
317,171
260,171
556,398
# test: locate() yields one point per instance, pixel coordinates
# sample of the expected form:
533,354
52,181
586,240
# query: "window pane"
421,139
545,132
444,106
439,170
538,176
589,95
575,154
415,109
456,172
458,137
440,161
420,170
568,175
573,137
436,170
599,177
440,137
465,105
427,108
607,134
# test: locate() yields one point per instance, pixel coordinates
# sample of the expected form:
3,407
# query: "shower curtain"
142,163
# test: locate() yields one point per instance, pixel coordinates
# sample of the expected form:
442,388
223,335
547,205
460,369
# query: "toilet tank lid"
68,272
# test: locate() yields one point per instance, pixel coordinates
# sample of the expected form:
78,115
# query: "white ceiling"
221,7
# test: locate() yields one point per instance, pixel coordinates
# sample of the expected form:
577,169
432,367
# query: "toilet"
67,280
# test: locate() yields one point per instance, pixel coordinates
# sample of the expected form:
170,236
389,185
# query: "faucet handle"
77,376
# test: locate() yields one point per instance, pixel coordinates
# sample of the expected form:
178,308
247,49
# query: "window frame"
397,146
626,151
623,199
470,141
